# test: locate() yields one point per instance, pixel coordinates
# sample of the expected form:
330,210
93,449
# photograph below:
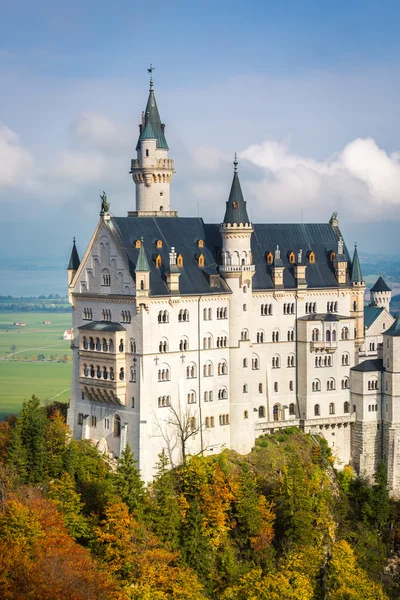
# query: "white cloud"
96,130
361,181
15,161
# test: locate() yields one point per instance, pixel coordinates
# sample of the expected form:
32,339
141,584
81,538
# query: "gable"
376,326
103,269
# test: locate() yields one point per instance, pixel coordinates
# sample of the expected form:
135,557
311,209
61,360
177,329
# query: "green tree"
127,481
28,452
13,348
63,493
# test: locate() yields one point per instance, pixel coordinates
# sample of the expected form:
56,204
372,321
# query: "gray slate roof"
184,232
236,211
327,317
152,115
380,286
102,326
74,260
369,365
371,313
356,275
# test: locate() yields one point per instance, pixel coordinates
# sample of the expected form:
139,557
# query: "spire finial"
150,70
235,164
74,240
355,244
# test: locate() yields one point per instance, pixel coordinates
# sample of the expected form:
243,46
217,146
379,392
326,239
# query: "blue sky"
306,92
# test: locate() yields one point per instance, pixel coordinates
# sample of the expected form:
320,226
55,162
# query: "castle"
194,337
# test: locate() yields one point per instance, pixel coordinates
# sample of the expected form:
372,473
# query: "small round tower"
381,294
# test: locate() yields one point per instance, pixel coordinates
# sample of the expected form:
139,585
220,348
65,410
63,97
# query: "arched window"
291,362
163,345
260,336
191,397
244,335
290,335
85,343
184,344
245,388
132,346
311,257
117,426
255,363
179,260
223,367
345,359
291,257
246,414
330,384
276,386
121,374
275,335
244,307
191,370
261,412
315,335
121,345
346,407
345,333
200,260
292,409
276,362
277,412
316,385
105,277
328,335
158,261
208,369
316,410
332,408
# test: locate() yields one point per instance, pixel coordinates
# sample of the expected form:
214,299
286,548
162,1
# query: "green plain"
24,377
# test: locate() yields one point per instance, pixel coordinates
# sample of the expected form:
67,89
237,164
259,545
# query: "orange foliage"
136,557
40,561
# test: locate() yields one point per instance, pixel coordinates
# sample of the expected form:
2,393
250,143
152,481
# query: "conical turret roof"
380,286
74,260
356,275
153,116
142,262
236,211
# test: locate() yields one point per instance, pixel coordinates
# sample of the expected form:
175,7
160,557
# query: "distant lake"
33,282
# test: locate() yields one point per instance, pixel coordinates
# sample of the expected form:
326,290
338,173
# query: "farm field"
21,373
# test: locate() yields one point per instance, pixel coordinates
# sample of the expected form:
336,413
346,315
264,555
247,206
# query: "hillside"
279,523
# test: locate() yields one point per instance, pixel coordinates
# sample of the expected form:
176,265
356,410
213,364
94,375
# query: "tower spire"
236,212
356,275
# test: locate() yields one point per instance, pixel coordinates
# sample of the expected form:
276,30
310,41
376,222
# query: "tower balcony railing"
160,163
236,268
100,390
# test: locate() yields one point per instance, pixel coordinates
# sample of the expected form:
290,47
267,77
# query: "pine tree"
127,481
28,453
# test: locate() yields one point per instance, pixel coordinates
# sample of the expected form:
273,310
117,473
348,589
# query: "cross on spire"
150,70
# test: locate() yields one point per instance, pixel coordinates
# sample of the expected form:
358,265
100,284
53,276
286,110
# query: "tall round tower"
152,170
238,269
381,294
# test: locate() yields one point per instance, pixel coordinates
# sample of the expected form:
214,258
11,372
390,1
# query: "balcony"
321,345
104,390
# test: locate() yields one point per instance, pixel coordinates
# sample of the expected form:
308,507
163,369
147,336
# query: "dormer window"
158,261
235,204
332,256
200,243
138,244
159,244
179,260
200,260
311,257
291,257
270,258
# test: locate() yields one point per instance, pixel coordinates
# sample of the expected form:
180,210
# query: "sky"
307,93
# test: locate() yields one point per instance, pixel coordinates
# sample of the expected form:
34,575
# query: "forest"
278,524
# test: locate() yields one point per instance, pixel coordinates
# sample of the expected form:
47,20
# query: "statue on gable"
105,205
334,219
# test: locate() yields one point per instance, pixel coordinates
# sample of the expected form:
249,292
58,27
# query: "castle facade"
194,337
